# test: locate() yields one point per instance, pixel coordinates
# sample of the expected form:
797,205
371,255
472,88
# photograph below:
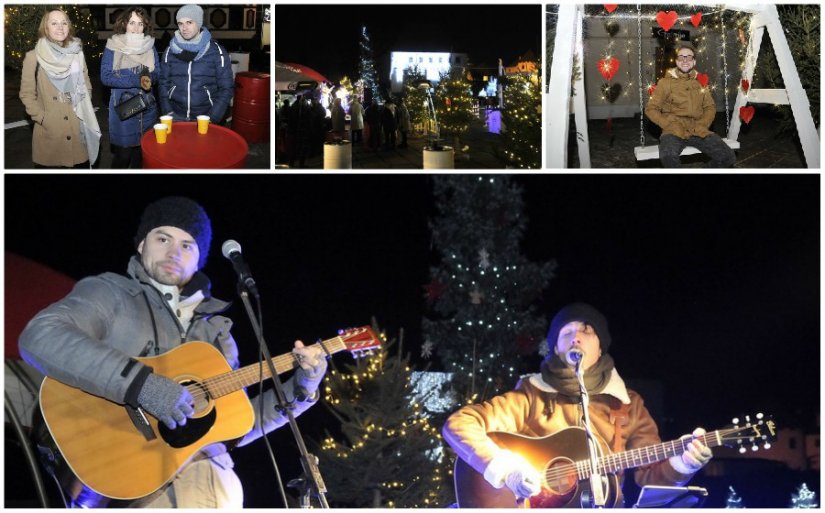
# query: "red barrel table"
250,110
185,148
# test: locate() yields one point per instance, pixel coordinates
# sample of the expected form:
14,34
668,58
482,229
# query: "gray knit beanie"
192,11
182,213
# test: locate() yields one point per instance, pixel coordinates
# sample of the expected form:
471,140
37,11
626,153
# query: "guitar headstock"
360,341
750,432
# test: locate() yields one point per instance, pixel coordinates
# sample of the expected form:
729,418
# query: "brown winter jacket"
681,106
56,140
534,409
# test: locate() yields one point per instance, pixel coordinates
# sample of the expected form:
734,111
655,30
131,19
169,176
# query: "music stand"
671,497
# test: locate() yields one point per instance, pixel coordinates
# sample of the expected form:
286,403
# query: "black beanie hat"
182,213
581,312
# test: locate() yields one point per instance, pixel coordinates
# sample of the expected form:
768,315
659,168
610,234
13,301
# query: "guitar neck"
614,463
238,379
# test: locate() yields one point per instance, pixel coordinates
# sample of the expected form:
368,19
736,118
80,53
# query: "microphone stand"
597,498
308,461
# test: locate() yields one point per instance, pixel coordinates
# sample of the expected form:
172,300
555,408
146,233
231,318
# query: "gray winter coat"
87,339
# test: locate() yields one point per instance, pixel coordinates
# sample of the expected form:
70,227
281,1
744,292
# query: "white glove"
515,472
695,457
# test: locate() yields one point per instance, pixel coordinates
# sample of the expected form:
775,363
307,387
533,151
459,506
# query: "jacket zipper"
172,91
189,91
209,95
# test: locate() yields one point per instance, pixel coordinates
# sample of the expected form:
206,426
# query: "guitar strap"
619,417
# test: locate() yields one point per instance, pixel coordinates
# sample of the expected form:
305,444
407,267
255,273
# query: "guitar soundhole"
196,427
560,476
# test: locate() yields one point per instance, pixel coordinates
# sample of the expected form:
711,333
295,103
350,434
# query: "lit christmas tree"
391,455
521,137
416,99
733,501
803,498
454,105
366,65
23,21
483,323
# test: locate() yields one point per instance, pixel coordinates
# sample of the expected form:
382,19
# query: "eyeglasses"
684,58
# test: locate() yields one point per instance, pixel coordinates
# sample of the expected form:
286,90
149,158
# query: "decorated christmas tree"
733,500
454,105
482,323
388,455
416,99
22,23
803,498
366,65
521,137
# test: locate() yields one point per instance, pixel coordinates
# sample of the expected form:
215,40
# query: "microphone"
574,356
232,250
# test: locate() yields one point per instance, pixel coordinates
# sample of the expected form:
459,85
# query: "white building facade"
432,64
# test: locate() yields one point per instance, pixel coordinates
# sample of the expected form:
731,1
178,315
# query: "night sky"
325,37
710,283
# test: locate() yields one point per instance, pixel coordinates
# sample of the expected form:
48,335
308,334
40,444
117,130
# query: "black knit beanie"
581,312
182,213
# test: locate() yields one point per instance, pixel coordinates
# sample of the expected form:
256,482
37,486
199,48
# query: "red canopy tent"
288,74
29,287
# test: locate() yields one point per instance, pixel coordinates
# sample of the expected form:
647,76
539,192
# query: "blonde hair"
42,32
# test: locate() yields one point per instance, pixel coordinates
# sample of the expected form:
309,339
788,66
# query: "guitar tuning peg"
759,416
754,448
742,449
747,418
767,445
735,420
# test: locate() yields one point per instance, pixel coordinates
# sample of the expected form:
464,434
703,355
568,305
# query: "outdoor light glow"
431,64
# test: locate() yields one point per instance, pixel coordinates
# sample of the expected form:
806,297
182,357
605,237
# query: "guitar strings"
216,386
604,463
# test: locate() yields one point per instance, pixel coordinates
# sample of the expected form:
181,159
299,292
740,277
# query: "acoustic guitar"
123,455
562,460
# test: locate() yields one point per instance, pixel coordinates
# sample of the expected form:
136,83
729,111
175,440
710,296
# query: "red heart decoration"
608,67
702,78
745,85
611,7
666,19
746,113
650,89
696,19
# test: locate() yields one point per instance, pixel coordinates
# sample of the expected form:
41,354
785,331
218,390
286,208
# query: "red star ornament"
666,19
434,290
608,67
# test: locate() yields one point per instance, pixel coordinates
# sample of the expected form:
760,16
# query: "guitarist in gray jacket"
89,340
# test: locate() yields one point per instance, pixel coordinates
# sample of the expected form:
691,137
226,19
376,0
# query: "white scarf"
65,69
132,51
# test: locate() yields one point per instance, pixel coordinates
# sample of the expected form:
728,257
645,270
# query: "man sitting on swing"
684,109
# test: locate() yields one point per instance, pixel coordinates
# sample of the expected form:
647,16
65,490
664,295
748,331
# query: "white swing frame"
568,44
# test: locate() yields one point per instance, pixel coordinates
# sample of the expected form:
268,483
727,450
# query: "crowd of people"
193,77
303,128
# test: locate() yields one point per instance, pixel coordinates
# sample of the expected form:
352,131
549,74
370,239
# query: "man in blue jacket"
196,72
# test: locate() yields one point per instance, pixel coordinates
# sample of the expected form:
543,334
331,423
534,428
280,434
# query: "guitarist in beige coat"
546,404
89,340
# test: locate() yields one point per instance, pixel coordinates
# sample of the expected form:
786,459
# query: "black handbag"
134,105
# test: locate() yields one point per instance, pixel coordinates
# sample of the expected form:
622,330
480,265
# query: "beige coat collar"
615,386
